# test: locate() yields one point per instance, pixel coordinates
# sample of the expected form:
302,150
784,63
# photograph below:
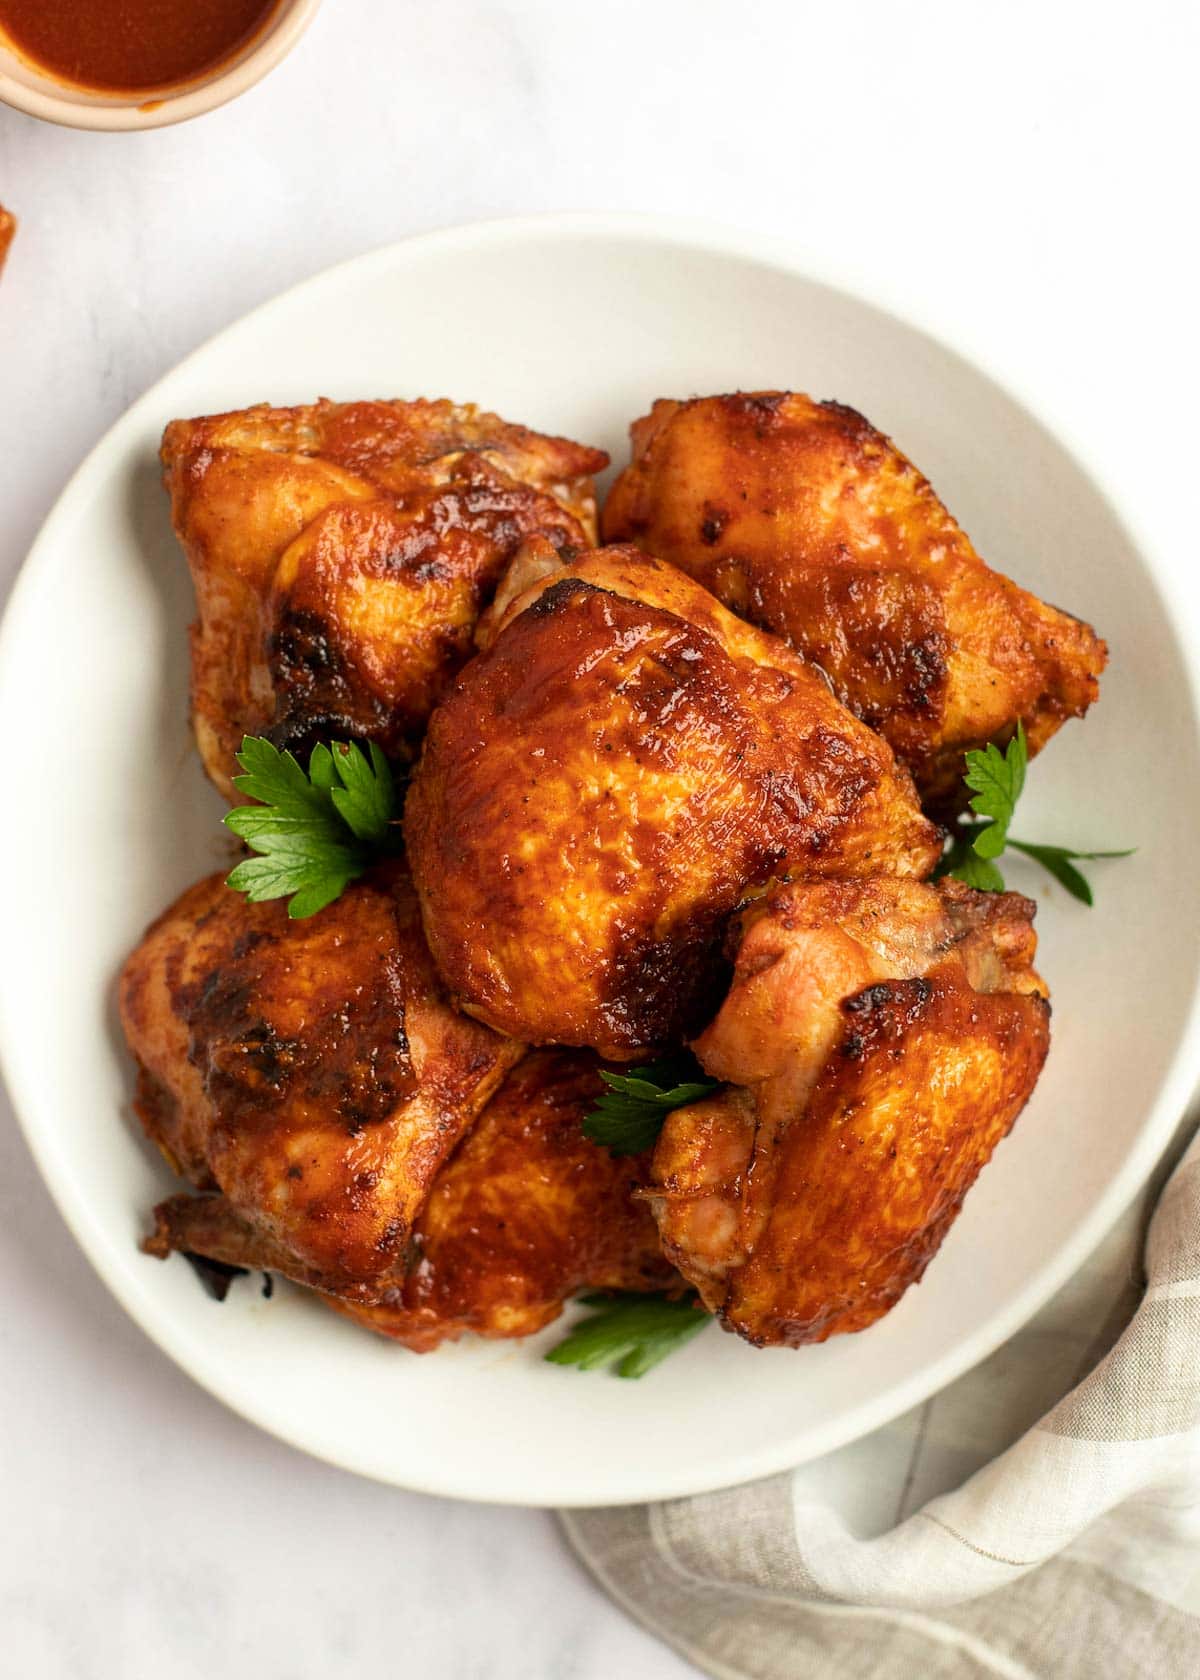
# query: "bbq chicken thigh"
341,553
879,1039
609,779
310,1075
804,519
525,1213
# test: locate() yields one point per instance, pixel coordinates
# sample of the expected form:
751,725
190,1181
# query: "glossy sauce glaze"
129,46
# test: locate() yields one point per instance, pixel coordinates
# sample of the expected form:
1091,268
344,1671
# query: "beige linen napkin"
1072,1552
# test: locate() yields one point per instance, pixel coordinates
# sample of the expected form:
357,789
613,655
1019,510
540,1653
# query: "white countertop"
1025,174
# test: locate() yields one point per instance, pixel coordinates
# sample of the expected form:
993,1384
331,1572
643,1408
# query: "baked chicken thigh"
879,1038
341,553
310,1074
524,1214
804,519
609,779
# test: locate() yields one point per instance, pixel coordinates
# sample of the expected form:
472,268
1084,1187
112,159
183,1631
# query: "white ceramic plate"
575,325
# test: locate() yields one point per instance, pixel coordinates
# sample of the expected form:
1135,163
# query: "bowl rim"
1164,1112
123,114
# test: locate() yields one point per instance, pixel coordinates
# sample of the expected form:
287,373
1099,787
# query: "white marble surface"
1025,172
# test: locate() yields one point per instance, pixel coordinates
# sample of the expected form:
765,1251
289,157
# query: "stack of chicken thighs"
682,789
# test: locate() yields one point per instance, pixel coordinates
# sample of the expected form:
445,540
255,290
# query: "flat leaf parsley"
996,780
632,1333
629,1116
314,831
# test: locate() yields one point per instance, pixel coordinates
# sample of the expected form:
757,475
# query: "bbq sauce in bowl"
131,46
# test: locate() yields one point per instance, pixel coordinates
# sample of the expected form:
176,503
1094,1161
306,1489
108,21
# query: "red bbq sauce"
129,46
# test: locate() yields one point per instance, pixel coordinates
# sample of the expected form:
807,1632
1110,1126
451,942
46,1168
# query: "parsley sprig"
996,780
629,1116
632,1333
315,830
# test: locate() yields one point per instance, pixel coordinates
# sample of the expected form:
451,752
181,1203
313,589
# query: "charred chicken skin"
804,519
524,1214
310,1075
341,553
608,780
879,1038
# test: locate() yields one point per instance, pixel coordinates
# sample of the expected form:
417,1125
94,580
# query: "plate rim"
1164,1112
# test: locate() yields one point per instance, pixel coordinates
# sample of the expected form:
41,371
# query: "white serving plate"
575,324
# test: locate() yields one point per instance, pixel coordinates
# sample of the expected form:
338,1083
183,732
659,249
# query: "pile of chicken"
663,792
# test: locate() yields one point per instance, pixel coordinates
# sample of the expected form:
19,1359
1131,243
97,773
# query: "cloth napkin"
1072,1552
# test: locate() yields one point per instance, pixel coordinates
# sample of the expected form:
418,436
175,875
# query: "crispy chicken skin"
312,1072
341,553
803,518
880,1038
525,1213
605,783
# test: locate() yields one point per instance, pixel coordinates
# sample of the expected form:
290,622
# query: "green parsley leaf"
275,778
629,1116
633,1333
979,872
320,768
366,800
1057,859
314,832
293,870
997,780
